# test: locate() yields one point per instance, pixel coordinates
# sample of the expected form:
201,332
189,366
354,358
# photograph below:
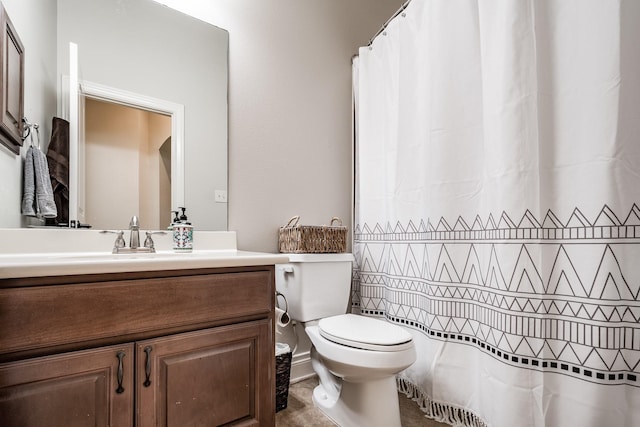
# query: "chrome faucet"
134,237
119,246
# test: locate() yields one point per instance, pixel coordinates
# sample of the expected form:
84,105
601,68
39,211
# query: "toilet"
355,357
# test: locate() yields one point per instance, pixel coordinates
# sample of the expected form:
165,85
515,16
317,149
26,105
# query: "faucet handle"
148,241
119,243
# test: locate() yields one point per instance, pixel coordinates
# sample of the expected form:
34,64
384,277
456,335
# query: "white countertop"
57,264
38,253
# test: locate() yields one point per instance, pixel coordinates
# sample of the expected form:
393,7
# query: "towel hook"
37,129
27,131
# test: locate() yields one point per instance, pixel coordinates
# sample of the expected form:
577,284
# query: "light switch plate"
221,196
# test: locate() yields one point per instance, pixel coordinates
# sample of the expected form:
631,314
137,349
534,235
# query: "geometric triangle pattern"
534,293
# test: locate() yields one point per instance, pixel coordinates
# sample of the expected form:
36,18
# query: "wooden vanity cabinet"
173,348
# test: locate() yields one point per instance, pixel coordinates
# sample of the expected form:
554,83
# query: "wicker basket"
283,373
294,238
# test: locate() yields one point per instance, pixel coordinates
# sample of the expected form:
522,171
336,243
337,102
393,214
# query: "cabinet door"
213,377
12,84
78,389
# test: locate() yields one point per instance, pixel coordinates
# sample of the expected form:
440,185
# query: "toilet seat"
364,333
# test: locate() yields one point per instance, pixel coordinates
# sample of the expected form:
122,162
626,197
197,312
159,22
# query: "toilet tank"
315,285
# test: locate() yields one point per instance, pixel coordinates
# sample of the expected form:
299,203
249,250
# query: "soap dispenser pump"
174,221
183,216
182,233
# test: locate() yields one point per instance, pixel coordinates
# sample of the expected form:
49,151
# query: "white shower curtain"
497,217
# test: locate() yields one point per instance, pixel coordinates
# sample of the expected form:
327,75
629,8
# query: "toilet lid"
365,333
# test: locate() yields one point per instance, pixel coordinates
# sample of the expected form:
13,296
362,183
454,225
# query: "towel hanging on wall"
58,161
37,198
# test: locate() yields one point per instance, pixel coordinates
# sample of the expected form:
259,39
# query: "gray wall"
290,107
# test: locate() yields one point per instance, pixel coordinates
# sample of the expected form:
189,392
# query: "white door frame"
109,94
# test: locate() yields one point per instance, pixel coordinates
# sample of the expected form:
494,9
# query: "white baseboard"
301,367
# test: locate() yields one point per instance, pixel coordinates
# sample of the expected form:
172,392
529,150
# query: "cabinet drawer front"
47,316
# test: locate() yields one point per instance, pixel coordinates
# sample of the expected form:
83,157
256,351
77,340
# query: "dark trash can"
283,373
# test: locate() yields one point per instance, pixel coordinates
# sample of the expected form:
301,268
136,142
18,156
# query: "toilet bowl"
357,385
355,357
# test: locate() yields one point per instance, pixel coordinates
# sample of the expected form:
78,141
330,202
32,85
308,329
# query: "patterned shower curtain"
498,207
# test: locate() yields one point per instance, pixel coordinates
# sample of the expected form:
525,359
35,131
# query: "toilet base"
371,403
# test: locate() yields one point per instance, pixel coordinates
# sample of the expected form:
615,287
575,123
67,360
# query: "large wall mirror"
143,48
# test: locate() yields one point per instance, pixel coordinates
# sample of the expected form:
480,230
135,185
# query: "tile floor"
300,411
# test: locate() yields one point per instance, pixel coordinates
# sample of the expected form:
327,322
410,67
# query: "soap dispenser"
182,233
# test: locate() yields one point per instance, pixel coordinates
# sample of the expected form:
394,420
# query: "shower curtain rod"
384,26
